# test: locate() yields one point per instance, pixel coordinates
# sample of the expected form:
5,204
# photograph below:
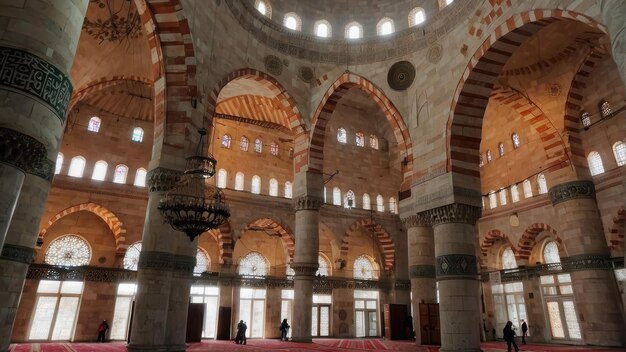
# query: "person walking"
524,331
509,336
284,327
102,331
238,337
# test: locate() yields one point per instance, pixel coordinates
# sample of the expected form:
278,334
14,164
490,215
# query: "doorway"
366,313
252,311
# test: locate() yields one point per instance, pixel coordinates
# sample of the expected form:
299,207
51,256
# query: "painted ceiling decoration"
112,21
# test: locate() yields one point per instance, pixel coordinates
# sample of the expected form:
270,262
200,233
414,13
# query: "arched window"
239,180
77,166
515,140
243,143
393,206
59,164
416,16
290,272
324,194
493,202
360,139
342,136
288,190
488,154
140,177
384,26
349,200
528,189
448,2
131,258
367,203
253,264
503,196
323,268
264,8
258,145
585,119
501,149
514,194
68,250
364,268
542,185
137,135
380,203
94,124
292,21
273,187
508,259
226,141
119,176
595,163
481,163
99,170
322,29
274,148
373,141
619,150
605,109
336,196
256,185
222,178
551,253
203,262
354,30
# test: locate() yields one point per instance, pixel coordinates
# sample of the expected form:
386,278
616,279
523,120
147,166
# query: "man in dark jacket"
509,336
524,331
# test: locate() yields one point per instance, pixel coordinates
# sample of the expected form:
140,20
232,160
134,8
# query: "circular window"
68,250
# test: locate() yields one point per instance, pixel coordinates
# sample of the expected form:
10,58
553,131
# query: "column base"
301,339
156,348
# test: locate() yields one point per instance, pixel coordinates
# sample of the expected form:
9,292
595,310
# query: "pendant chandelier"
194,205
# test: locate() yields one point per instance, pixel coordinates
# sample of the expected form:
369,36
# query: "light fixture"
194,205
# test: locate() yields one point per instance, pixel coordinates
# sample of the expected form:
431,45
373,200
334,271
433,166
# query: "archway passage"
112,221
384,240
224,239
325,110
274,229
529,239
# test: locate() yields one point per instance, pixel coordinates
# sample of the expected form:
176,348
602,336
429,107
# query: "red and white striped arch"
489,240
272,228
385,242
529,239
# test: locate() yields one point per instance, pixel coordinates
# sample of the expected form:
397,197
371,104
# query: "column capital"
580,189
417,220
453,213
25,153
307,203
161,179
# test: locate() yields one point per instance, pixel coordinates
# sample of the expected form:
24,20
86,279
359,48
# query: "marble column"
35,90
305,264
421,254
595,289
456,270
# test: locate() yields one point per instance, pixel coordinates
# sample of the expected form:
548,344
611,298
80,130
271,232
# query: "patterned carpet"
319,345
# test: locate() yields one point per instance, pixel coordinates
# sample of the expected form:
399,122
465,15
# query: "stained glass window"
239,180
367,203
595,163
99,170
360,139
273,187
373,141
94,124
364,268
288,190
585,119
508,259
619,150
551,253
203,262
131,258
77,166
542,184
137,135
349,201
516,141
323,266
68,250
119,176
256,185
274,148
226,141
605,109
253,264
140,177
59,164
342,136
243,143
222,178
380,203
258,145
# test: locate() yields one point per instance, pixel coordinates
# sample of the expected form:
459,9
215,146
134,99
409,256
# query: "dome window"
354,30
385,26
292,21
322,29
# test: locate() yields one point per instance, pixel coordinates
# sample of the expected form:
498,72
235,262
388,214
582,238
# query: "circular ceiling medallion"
306,74
554,90
435,52
514,220
401,75
273,65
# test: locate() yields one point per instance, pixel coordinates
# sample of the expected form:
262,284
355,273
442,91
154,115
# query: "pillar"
456,270
614,17
421,254
595,289
35,90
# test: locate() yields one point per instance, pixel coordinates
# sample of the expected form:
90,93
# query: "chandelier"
194,205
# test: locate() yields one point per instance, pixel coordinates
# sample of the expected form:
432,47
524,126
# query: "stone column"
614,17
305,264
421,254
457,275
595,289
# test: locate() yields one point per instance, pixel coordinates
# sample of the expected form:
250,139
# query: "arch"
528,240
327,106
489,239
474,88
616,233
113,222
104,83
385,242
272,228
223,236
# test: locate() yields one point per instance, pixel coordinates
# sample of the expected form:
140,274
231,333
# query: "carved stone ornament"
273,65
572,190
583,262
18,254
454,213
161,179
457,265
166,261
26,73
421,271
305,269
306,74
417,220
401,75
307,203
25,153
434,54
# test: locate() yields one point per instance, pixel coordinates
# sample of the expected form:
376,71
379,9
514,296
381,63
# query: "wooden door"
394,317
223,323
195,322
430,331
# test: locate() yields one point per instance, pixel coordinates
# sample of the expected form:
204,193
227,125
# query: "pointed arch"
272,228
113,222
385,242
528,240
489,240
327,106
224,238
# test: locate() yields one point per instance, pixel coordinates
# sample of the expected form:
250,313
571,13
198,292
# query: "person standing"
240,338
524,331
509,336
284,327
102,331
